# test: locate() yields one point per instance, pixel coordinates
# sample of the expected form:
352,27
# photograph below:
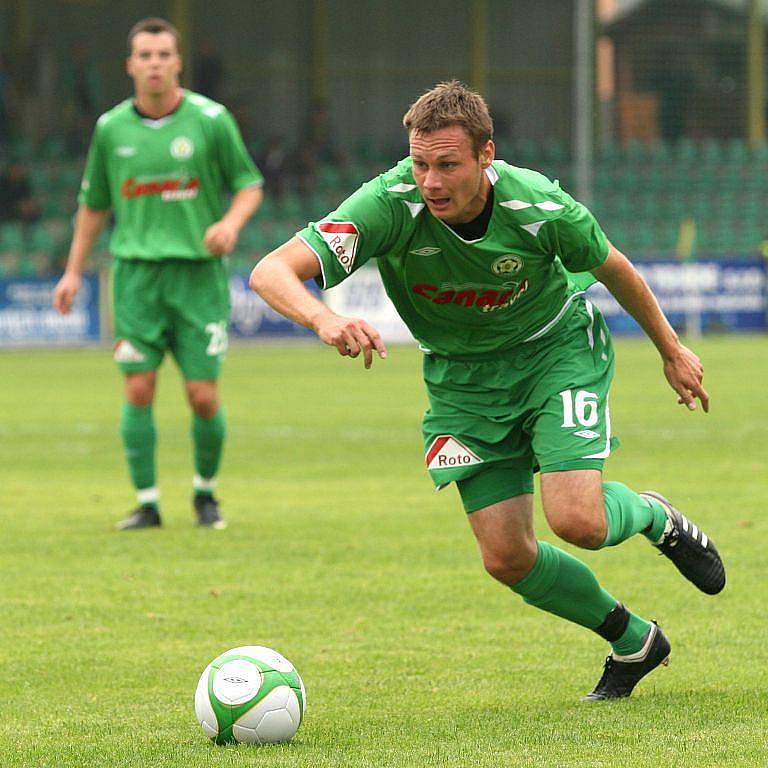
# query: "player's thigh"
140,321
505,537
571,424
472,435
200,302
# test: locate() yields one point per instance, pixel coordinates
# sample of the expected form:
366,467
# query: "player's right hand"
350,336
65,292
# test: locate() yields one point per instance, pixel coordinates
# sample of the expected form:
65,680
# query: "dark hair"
154,26
451,103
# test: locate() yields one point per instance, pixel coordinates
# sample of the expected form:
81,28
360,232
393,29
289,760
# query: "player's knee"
203,401
140,391
507,567
581,530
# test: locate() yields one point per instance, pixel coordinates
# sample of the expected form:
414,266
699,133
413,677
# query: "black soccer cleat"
622,673
690,549
144,516
207,511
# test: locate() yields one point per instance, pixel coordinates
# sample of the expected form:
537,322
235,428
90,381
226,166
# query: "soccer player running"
477,257
162,162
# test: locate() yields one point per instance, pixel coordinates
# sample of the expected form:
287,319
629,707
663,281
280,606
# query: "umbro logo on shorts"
587,434
447,452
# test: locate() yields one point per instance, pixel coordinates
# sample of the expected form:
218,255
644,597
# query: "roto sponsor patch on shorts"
341,237
447,452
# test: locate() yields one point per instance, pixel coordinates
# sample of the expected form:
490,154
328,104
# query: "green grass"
340,555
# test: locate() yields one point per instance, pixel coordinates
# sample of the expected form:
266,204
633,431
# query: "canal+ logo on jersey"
341,237
446,452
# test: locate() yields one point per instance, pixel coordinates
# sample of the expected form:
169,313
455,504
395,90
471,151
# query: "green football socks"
626,514
561,584
137,429
208,440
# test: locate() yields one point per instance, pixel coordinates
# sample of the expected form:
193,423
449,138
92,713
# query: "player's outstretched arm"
682,367
88,225
279,279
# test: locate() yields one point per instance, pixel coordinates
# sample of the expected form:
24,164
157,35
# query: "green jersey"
165,179
466,297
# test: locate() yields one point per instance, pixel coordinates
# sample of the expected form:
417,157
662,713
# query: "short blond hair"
451,103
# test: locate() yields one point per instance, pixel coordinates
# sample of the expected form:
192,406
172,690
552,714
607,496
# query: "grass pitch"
340,555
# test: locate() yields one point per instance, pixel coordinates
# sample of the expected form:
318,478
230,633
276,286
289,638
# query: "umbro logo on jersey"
429,250
446,452
587,434
341,237
125,151
125,352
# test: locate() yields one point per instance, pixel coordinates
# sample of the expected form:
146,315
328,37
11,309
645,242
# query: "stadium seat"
12,237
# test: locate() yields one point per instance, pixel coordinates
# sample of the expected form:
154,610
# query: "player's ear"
487,154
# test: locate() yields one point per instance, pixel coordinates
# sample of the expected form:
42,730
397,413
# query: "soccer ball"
250,695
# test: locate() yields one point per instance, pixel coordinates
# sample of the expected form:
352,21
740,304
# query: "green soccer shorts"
542,406
174,304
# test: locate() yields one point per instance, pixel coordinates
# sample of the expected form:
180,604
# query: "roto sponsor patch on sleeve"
341,237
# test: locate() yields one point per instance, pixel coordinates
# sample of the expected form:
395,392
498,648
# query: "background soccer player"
473,253
162,161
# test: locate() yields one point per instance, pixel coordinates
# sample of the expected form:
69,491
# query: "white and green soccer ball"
250,695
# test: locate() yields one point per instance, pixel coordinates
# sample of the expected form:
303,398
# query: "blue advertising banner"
252,317
27,317
707,295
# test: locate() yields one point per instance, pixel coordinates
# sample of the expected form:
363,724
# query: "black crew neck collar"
475,229
145,116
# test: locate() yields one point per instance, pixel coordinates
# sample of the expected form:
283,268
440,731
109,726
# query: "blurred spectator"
82,87
5,101
305,169
17,202
274,166
319,135
208,71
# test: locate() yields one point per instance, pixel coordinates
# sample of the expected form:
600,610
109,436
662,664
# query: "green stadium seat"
329,177
685,151
737,151
68,178
12,237
53,149
555,151
711,151
40,239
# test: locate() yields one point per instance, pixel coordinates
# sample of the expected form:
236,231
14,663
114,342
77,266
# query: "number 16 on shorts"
579,408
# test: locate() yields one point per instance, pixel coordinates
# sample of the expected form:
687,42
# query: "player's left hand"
685,373
220,238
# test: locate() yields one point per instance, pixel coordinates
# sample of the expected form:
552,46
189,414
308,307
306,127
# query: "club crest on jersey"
507,265
341,237
182,148
446,452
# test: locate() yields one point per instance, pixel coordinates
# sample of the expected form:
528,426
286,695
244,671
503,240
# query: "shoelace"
606,670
